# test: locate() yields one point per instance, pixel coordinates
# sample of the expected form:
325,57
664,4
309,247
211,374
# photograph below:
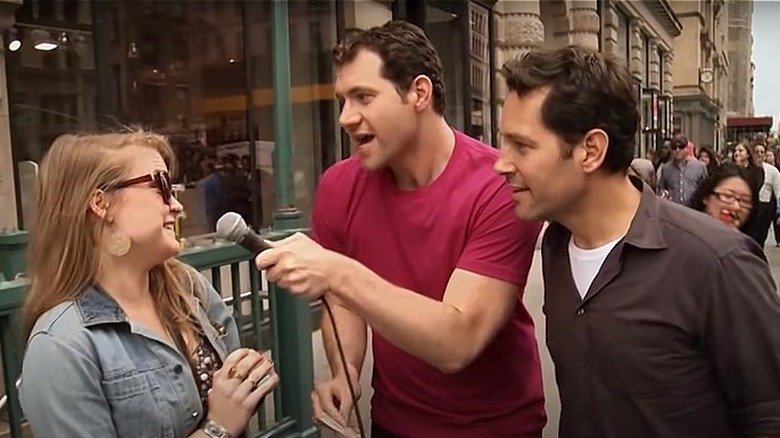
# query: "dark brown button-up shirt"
678,335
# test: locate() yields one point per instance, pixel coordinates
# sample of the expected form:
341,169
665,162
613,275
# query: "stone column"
610,30
8,218
667,79
519,29
584,23
637,62
654,81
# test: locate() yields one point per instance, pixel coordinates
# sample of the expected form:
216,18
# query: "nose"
502,166
348,117
176,206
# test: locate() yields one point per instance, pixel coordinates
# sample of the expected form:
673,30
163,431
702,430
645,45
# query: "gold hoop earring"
118,243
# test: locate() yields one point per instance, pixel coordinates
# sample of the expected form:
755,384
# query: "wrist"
343,274
212,429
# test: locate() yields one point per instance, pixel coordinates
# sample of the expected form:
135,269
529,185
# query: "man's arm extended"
352,333
447,334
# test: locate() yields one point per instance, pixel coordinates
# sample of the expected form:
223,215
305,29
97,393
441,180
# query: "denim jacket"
89,371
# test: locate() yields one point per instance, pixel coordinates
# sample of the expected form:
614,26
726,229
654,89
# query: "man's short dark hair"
679,140
405,51
587,90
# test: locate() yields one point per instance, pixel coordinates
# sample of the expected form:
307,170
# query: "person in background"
644,170
683,175
663,157
725,195
770,157
708,158
767,194
124,340
212,182
661,322
744,157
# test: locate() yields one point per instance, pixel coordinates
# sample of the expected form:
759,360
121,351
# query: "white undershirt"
586,263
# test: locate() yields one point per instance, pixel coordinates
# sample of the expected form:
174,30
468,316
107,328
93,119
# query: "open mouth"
362,139
170,225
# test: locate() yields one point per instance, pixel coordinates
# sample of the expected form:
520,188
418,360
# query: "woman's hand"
244,379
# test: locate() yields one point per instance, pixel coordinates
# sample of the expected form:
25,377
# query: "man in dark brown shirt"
661,321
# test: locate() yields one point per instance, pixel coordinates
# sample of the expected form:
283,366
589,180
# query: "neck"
124,282
426,156
604,213
680,160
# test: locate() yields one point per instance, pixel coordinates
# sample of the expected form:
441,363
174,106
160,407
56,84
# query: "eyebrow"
519,138
355,90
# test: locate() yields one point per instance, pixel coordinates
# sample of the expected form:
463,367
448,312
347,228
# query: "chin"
371,163
529,214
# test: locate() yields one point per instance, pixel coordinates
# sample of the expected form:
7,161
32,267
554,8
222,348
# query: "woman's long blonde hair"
63,255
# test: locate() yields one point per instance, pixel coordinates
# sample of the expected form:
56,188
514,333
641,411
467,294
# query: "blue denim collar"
97,307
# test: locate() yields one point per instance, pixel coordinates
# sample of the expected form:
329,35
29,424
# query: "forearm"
431,330
352,333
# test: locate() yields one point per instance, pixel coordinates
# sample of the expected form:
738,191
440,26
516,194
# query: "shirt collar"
645,229
97,307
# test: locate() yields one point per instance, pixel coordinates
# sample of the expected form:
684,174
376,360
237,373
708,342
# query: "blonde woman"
124,340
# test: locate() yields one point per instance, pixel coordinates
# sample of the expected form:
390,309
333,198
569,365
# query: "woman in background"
725,195
709,158
743,157
124,340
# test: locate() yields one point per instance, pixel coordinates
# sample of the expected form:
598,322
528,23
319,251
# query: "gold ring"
234,374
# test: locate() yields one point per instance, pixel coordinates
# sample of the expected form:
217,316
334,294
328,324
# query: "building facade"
640,33
701,83
741,67
203,76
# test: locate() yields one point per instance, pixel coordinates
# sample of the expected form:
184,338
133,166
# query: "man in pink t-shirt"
416,237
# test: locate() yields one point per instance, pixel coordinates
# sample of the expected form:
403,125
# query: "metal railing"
268,319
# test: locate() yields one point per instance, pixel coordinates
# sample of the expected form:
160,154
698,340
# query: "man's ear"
422,92
595,145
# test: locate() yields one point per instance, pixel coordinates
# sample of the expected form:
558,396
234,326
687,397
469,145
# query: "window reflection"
480,122
194,74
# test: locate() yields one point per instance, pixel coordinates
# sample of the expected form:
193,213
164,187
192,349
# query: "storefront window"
443,25
480,125
186,72
623,32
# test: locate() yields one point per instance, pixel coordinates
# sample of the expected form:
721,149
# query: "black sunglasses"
679,145
161,180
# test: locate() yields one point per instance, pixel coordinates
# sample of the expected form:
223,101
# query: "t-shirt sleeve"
327,212
500,245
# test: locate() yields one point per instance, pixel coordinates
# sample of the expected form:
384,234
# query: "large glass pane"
479,117
315,133
163,65
443,27
623,31
51,80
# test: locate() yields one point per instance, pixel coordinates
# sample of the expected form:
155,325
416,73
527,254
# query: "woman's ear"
98,203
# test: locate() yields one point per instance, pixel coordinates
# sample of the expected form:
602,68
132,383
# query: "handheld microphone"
232,227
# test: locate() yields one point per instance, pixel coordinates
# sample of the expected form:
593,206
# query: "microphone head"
231,227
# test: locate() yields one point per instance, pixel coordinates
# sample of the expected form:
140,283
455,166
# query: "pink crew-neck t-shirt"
415,239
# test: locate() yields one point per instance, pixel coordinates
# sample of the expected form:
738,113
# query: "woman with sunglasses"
124,340
725,195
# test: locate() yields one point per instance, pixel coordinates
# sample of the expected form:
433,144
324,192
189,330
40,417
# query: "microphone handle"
253,243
